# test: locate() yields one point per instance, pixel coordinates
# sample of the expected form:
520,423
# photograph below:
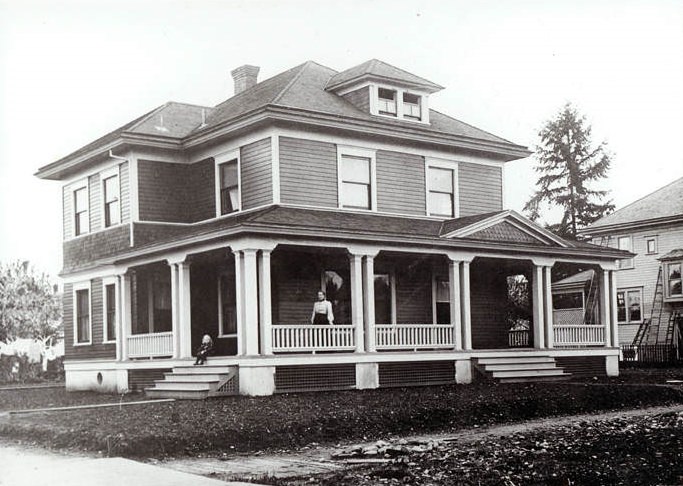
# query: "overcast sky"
72,71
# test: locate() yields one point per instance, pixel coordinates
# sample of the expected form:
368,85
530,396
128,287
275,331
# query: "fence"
651,354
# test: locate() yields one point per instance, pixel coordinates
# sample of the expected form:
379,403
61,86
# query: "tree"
29,304
567,164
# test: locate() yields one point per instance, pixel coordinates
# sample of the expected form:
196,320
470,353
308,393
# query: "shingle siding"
162,189
308,172
360,98
81,251
400,183
202,190
480,187
256,174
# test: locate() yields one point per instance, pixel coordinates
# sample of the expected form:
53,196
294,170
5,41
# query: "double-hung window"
629,306
442,301
228,183
651,245
356,178
227,315
386,99
441,188
112,206
81,210
674,288
411,106
109,312
82,321
625,243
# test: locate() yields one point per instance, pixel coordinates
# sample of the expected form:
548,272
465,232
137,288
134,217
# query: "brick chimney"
244,77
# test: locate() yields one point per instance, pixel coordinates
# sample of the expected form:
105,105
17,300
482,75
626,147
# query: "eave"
631,225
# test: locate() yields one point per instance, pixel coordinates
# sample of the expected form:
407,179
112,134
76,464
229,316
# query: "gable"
506,231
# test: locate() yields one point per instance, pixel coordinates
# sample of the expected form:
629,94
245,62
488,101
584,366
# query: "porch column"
548,306
466,318
454,297
175,317
184,311
250,301
265,304
537,288
613,308
239,307
369,302
126,314
605,304
355,267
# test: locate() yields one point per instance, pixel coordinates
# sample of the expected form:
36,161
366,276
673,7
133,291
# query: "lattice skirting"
416,373
314,378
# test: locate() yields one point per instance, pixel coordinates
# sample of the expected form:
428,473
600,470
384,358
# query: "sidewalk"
22,466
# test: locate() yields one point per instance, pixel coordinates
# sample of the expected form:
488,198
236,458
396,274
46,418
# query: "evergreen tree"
567,164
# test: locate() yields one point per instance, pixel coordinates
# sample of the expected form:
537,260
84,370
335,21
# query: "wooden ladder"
650,327
674,318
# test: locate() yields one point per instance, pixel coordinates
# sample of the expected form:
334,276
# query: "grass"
242,424
29,398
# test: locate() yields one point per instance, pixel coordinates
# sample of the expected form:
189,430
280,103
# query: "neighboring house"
648,285
227,220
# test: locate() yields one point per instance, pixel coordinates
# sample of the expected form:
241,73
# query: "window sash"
355,195
629,306
110,315
81,222
674,280
386,100
229,187
411,106
625,243
356,186
82,316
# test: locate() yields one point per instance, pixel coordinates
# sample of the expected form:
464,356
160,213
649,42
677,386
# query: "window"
570,300
82,314
673,278
629,306
81,219
229,187
112,211
411,106
441,188
109,312
625,243
651,245
383,299
387,101
227,315
443,301
355,182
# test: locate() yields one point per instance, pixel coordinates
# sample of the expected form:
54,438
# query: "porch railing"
519,338
311,337
413,336
578,335
151,345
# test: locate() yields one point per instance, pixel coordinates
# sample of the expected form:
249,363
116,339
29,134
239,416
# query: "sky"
71,71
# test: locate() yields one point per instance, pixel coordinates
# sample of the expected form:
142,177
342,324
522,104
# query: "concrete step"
527,373
519,366
203,377
516,359
182,385
203,369
177,394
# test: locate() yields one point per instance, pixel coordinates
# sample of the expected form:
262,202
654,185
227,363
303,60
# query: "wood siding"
400,183
256,174
162,191
124,182
360,98
308,172
81,252
480,188
95,202
644,272
201,191
96,349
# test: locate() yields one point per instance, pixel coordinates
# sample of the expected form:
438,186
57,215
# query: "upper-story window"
651,245
411,106
625,243
387,101
356,178
228,183
442,188
111,196
674,287
81,210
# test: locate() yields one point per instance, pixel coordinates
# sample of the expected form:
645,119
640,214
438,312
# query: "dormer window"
387,101
411,106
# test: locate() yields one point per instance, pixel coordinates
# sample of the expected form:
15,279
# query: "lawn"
242,424
29,398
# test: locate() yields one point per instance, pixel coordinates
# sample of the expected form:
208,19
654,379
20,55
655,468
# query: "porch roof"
330,225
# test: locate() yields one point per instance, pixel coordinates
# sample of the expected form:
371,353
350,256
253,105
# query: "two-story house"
227,220
649,294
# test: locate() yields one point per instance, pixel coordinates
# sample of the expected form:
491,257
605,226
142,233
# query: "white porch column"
548,306
613,308
184,311
369,302
355,267
265,304
466,317
239,307
250,302
175,308
126,314
605,305
454,297
537,288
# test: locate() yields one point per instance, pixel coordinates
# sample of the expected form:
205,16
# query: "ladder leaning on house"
650,327
591,301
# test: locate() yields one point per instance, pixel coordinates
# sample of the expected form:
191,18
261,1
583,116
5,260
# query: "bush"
18,369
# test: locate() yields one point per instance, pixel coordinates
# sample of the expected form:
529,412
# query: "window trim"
632,260
400,112
106,339
104,175
436,277
654,239
442,164
351,151
626,290
219,160
78,287
77,186
220,334
667,290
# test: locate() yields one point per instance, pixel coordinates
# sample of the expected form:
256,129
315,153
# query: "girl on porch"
322,310
204,350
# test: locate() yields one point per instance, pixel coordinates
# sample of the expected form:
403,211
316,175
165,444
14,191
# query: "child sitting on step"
204,350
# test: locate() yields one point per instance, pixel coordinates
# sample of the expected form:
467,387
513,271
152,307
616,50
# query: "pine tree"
567,164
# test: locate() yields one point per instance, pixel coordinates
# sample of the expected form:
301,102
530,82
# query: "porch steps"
521,369
196,383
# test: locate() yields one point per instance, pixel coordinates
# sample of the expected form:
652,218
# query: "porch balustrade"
414,336
308,337
519,338
578,335
150,345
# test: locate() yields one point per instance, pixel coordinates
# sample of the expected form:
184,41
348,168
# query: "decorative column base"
367,376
